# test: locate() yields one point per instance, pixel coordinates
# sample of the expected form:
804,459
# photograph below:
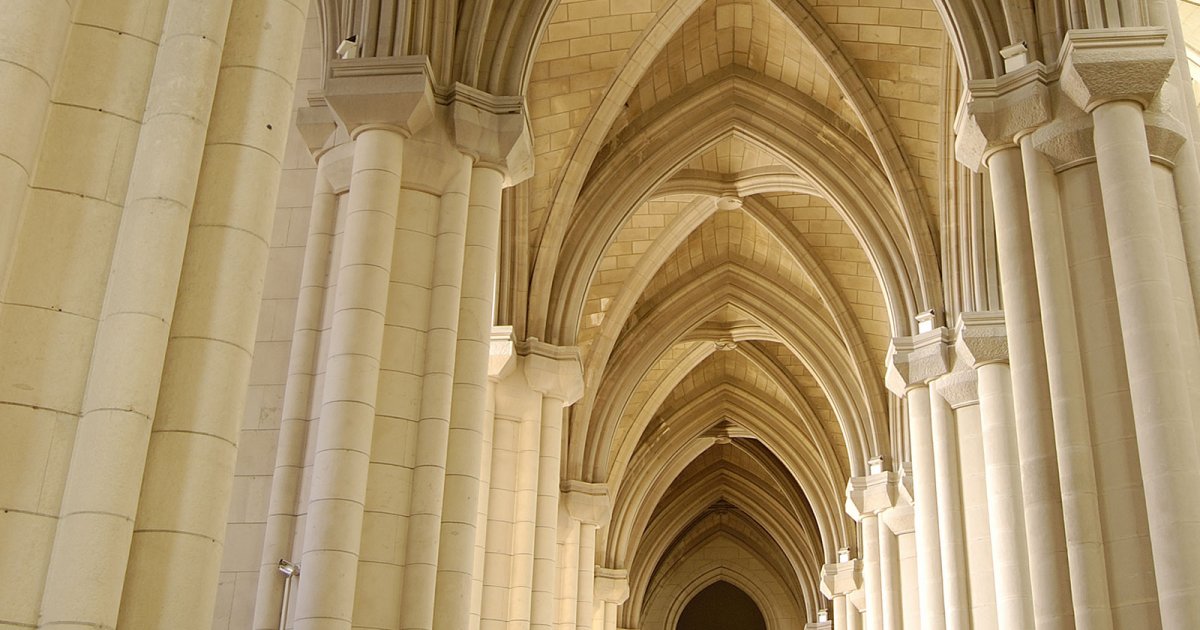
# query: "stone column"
899,523
950,511
497,140
101,499
588,504
501,363
866,498
35,34
297,404
854,609
1001,112
1115,89
379,116
1072,434
838,581
557,374
611,590
982,345
913,362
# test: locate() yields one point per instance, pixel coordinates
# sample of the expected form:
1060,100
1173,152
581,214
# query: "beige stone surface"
550,315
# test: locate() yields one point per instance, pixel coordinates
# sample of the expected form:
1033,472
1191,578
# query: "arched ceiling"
733,212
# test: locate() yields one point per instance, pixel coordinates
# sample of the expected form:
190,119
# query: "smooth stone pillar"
982,344
1072,435
35,34
339,485
557,374
95,535
912,362
950,514
889,577
283,509
1157,382
422,559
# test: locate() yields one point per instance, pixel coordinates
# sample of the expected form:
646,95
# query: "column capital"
1114,64
871,494
494,130
840,578
555,371
916,360
960,387
999,111
587,502
316,125
501,354
901,519
381,92
612,585
819,625
982,338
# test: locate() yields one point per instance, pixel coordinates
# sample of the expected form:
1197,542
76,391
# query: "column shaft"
541,616
889,578
456,557
950,517
839,613
35,34
1158,389
524,529
587,576
179,536
297,412
382,561
1037,573
873,616
1004,498
1072,436
95,533
929,551
437,393
334,524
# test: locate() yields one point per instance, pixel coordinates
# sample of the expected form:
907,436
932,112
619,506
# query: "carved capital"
982,338
587,502
612,585
1000,110
494,130
872,494
901,519
555,371
914,361
381,92
841,578
1122,64
1067,140
960,387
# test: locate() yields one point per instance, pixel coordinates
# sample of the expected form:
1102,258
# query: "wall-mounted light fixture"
289,571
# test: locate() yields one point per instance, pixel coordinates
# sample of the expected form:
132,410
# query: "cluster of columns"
1053,445
131,517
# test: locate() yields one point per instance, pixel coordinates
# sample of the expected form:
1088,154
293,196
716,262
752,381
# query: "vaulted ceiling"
734,209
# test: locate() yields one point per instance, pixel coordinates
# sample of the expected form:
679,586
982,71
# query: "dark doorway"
721,606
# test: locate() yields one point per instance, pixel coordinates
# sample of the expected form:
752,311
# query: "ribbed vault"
733,212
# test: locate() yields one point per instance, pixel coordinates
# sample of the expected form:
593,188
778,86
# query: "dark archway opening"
721,606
